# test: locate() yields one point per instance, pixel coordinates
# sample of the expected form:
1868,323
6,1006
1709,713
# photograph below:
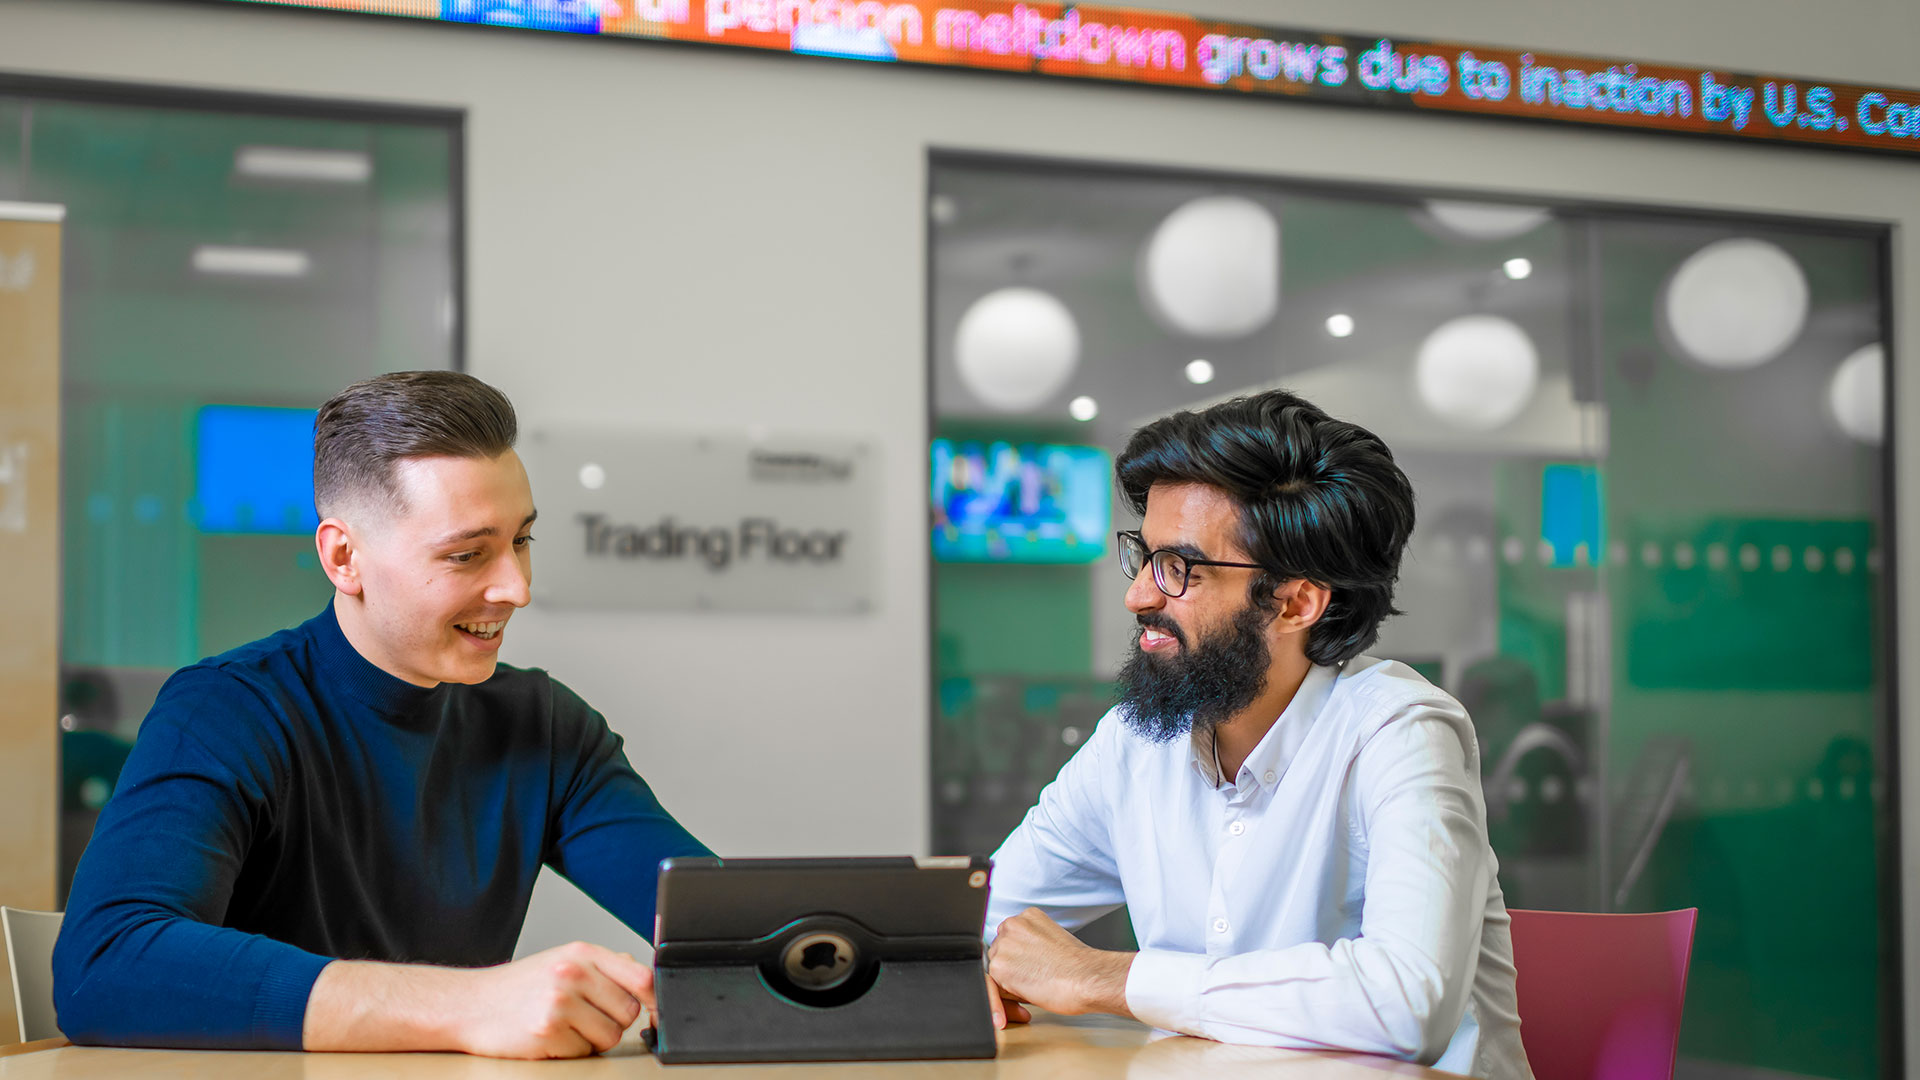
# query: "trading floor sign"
721,522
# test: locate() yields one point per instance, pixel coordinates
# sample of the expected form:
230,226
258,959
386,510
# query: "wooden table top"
1051,1048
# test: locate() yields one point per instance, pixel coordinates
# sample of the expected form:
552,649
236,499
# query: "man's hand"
1005,1006
1033,959
569,1001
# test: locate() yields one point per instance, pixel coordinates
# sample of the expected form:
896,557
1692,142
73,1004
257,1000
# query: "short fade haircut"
365,429
1319,499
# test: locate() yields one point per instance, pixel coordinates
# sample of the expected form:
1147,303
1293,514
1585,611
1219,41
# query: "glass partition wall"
1649,455
230,262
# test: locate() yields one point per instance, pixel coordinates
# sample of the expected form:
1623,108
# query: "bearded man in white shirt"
1297,829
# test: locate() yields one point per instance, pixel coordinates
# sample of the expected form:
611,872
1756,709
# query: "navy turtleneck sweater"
289,803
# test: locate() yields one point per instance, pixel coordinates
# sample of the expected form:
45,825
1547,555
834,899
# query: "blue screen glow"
1571,515
253,470
1029,502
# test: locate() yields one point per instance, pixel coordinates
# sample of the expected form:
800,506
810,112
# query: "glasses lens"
1132,554
1170,572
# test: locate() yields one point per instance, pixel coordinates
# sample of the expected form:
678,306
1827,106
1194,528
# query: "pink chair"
1600,995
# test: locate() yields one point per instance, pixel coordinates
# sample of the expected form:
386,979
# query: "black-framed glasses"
1170,568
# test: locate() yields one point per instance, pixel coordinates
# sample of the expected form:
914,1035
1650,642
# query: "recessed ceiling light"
1340,325
251,261
1083,408
1517,268
303,164
1200,371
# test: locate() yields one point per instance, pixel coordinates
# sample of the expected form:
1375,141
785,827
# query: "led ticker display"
1162,48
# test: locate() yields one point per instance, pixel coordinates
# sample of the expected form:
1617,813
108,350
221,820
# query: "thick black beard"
1203,685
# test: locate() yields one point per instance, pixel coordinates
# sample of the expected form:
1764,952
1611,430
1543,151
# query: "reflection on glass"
1649,458
224,272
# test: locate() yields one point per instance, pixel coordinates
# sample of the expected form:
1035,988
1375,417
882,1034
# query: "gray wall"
678,237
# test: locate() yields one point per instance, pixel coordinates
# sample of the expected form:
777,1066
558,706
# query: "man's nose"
513,585
1144,594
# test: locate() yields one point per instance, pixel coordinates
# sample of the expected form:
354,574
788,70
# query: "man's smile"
1159,633
482,631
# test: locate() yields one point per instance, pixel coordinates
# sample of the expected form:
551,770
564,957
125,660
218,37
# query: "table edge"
36,1046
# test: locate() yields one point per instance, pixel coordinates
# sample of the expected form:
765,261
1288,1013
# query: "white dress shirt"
1338,893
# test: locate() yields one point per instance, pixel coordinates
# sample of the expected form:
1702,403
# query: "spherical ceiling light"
1736,303
1212,268
1857,396
1477,371
1485,221
1015,348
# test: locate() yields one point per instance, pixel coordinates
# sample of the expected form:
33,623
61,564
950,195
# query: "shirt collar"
1276,749
361,678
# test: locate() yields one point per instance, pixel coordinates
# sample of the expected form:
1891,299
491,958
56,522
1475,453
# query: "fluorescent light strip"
251,262
29,211
297,163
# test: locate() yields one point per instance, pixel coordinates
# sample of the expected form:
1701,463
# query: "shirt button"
1269,777
1219,926
1237,828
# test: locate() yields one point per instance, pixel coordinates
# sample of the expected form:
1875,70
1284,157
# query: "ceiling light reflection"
299,163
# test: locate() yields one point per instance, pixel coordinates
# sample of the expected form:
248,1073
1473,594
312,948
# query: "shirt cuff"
280,1004
1163,989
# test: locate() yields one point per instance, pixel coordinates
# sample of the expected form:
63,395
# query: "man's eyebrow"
475,534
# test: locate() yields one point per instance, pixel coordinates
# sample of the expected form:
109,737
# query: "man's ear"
337,549
1300,604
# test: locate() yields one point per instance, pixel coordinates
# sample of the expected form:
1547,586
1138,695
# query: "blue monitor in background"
1020,502
253,470
1572,513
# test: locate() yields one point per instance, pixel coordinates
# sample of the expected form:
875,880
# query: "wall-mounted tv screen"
253,470
1020,502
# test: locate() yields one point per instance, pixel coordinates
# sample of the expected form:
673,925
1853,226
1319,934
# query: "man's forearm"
565,1002
1106,982
361,1005
1035,959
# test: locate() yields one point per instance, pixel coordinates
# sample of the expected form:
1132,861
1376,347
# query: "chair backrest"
30,937
1601,995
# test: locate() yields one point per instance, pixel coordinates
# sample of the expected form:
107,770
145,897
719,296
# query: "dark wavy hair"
1319,499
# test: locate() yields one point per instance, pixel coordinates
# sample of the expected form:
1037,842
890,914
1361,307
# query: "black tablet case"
915,990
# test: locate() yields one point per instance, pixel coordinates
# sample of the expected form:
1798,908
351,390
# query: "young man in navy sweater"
327,839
